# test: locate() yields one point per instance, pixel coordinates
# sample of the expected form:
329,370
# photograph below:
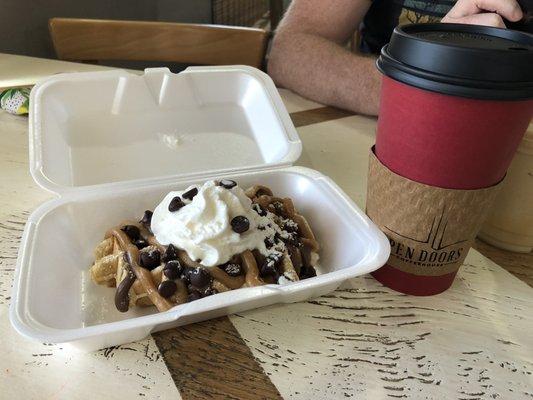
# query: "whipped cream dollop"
202,226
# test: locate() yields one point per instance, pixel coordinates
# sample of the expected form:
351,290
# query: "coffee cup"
455,103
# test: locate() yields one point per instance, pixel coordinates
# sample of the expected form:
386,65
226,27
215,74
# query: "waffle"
173,278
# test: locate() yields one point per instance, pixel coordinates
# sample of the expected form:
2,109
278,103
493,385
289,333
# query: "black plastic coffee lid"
461,60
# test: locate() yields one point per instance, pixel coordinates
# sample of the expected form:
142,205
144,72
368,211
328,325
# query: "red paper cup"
455,103
416,285
448,141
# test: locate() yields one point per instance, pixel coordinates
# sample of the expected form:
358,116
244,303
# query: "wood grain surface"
22,71
365,341
210,360
317,115
518,264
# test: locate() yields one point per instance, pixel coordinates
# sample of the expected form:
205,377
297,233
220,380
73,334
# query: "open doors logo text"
432,250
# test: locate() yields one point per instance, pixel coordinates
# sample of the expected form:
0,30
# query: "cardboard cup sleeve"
430,229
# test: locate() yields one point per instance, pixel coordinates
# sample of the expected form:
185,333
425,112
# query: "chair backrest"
96,40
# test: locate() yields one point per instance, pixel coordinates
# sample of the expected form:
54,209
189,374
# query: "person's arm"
484,12
308,56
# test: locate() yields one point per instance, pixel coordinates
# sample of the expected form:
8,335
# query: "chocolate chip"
307,272
290,226
292,239
199,277
175,204
227,183
269,242
275,258
194,295
269,265
140,243
150,259
269,270
259,210
173,269
167,288
185,274
240,224
132,231
189,194
232,269
171,253
147,218
210,291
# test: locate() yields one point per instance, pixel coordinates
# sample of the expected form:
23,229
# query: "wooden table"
16,71
363,341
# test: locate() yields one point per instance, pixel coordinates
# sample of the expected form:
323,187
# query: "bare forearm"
326,72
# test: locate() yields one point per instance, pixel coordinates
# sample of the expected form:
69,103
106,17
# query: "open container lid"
86,127
118,129
461,60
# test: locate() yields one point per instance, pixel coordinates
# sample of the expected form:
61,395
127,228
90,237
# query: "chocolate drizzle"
229,281
136,285
251,270
122,298
143,275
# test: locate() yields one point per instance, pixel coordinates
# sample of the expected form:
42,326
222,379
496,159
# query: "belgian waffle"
146,273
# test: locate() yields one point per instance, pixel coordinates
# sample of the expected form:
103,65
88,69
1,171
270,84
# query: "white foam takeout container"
112,144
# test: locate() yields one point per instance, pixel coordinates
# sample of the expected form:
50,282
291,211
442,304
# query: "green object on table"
15,101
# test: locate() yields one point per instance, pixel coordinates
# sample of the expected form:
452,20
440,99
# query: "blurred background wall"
24,24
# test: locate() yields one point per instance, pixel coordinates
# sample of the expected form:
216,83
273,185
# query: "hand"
484,12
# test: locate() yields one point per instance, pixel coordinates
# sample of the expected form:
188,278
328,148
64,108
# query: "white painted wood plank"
339,149
294,102
17,71
367,342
